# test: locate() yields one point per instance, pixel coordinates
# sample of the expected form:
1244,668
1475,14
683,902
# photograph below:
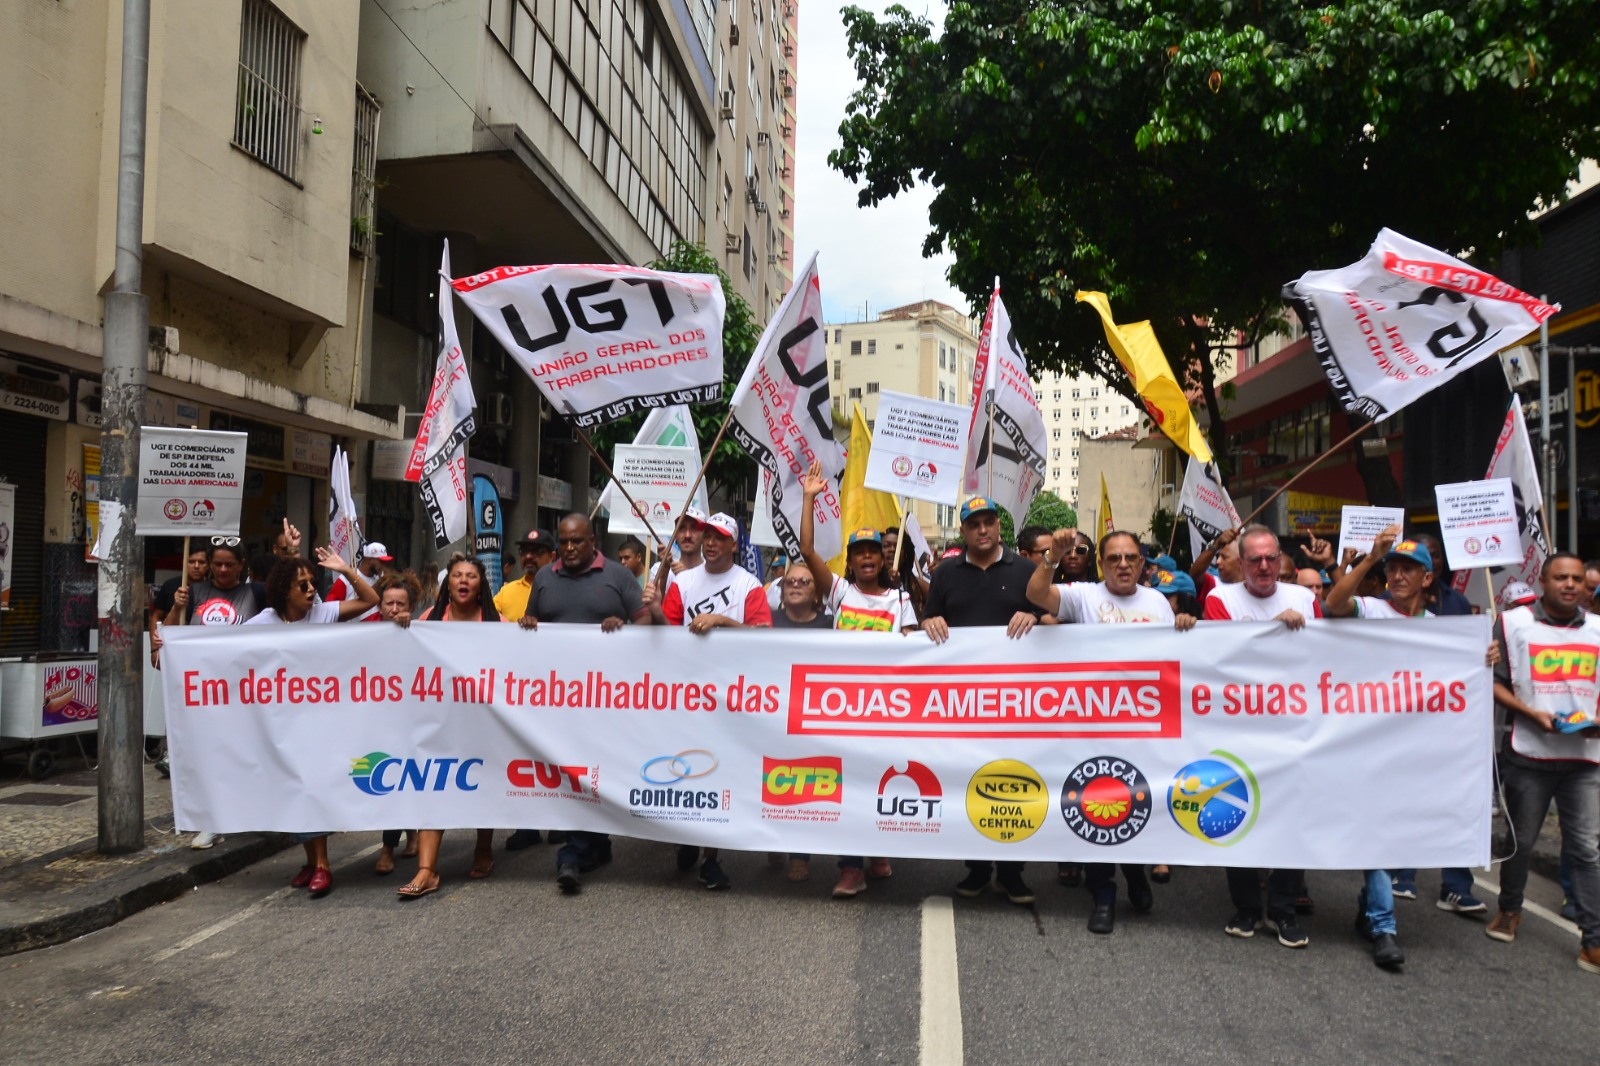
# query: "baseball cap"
1173,581
1516,594
978,505
1166,562
723,523
376,550
1412,550
865,536
538,538
694,514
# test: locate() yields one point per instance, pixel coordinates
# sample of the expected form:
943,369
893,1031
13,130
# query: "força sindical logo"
1106,800
1007,801
1215,799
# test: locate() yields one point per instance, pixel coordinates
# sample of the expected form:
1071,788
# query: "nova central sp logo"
1007,800
378,773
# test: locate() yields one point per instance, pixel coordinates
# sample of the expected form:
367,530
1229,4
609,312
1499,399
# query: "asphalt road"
647,967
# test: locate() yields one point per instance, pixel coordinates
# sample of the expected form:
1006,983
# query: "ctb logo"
378,773
1562,662
790,782
1106,800
1215,800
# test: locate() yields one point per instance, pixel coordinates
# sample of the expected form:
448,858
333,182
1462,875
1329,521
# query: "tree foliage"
1189,157
1051,512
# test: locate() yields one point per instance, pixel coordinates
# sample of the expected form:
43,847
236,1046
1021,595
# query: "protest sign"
1478,523
1205,504
1084,743
1006,442
438,462
665,427
658,479
1513,458
190,481
1359,526
918,447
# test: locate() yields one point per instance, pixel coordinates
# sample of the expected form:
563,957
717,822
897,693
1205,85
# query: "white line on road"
1531,907
940,1038
243,913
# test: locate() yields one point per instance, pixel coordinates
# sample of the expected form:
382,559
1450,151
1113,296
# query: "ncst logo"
1562,662
378,773
789,782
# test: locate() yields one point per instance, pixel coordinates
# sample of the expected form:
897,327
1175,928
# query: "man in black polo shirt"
583,587
985,585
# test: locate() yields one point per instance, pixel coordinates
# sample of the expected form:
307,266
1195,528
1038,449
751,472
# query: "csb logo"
792,782
378,773
1106,800
1007,801
1562,662
1215,800
910,800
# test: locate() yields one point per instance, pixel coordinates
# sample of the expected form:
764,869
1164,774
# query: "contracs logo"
1007,801
680,788
378,773
1561,662
1215,800
910,800
533,779
174,510
802,790
901,466
1106,800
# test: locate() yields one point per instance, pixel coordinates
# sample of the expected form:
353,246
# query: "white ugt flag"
1009,468
439,459
783,415
1206,504
344,533
1513,458
666,427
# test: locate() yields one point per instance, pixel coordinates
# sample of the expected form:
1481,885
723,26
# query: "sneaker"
522,838
1017,892
712,877
1569,910
1589,959
688,855
202,841
1405,889
1290,935
1386,952
1243,925
879,869
852,882
163,767
1503,926
973,884
1461,904
567,878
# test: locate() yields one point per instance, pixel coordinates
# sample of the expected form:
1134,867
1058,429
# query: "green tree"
1051,512
731,469
1189,157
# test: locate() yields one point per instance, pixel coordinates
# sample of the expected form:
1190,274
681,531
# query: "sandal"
385,863
482,866
1160,874
418,887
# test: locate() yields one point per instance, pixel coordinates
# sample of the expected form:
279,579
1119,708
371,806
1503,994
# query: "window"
1094,412
1075,393
1094,394
1038,396
855,394
941,392
838,370
941,355
1077,413
1056,414
870,423
364,173
1055,434
1056,396
1125,411
872,347
855,347
872,388
837,334
267,117
1074,455
1055,453
1055,473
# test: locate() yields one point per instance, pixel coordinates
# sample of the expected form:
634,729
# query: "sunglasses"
1130,558
1257,560
1078,549
304,586
225,542
798,582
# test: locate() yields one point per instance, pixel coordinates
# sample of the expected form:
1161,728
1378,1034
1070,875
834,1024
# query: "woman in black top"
801,606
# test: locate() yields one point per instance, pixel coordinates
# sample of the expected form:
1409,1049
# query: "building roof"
918,310
1125,433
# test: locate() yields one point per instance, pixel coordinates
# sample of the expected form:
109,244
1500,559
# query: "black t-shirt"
821,621
211,606
163,602
964,595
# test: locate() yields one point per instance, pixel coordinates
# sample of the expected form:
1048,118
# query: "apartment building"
1077,408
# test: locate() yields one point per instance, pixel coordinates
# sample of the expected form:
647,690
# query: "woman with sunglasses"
292,598
463,597
398,594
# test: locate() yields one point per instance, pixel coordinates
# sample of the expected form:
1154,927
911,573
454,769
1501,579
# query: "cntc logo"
1106,800
378,773
790,782
1007,801
1215,800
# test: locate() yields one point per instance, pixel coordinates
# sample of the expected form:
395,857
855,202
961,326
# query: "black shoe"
1014,888
1104,918
522,838
688,855
1386,952
1069,874
1161,877
567,878
973,884
597,858
1140,896
712,877
1290,935
556,836
1363,927
1243,924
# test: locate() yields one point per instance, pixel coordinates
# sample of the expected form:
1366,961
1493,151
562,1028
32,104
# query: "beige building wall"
1076,408
1138,477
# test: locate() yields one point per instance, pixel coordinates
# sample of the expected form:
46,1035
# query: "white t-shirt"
1093,604
342,590
1373,607
320,612
1238,604
734,593
886,612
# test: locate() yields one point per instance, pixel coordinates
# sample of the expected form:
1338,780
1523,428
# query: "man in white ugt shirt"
1119,599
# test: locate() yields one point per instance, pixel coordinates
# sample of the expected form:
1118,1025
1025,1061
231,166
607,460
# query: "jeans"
1376,902
1576,793
391,838
584,850
1452,879
1244,887
1100,878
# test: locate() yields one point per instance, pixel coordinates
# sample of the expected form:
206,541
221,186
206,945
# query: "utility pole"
125,354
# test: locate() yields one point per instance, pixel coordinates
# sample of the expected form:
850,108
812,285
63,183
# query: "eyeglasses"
798,582
1130,558
225,542
1257,560
1083,549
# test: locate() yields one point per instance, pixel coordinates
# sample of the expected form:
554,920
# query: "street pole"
125,351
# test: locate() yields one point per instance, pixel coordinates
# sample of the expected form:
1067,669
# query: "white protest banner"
1359,526
918,447
1513,458
665,427
344,531
782,414
1478,524
1205,504
603,341
438,461
1084,743
658,479
761,530
190,481
1405,319
1006,439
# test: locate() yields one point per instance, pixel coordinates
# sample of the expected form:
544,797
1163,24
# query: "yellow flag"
1136,348
861,507
1107,523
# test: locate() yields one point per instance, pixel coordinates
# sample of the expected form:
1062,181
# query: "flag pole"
706,464
612,474
1488,583
900,537
1308,468
988,463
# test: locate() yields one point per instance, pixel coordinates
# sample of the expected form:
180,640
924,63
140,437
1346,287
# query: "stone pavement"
54,885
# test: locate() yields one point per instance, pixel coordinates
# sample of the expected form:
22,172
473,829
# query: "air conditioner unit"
751,192
788,90
733,33
497,410
785,213
763,137
761,207
732,242
772,258
727,103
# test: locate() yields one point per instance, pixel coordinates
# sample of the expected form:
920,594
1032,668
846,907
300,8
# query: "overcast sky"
866,256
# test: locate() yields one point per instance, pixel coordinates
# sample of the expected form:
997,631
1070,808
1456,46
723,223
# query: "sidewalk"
54,885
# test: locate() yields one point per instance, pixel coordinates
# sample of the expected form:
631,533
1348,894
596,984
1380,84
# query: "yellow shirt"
512,599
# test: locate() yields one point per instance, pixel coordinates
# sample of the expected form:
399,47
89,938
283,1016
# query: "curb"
162,880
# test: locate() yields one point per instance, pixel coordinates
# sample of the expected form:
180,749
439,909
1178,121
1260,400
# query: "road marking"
224,924
939,1040
1532,908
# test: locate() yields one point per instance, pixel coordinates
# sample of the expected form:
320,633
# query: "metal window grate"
364,176
266,121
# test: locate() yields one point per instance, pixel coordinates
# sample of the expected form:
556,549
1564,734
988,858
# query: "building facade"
1077,408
